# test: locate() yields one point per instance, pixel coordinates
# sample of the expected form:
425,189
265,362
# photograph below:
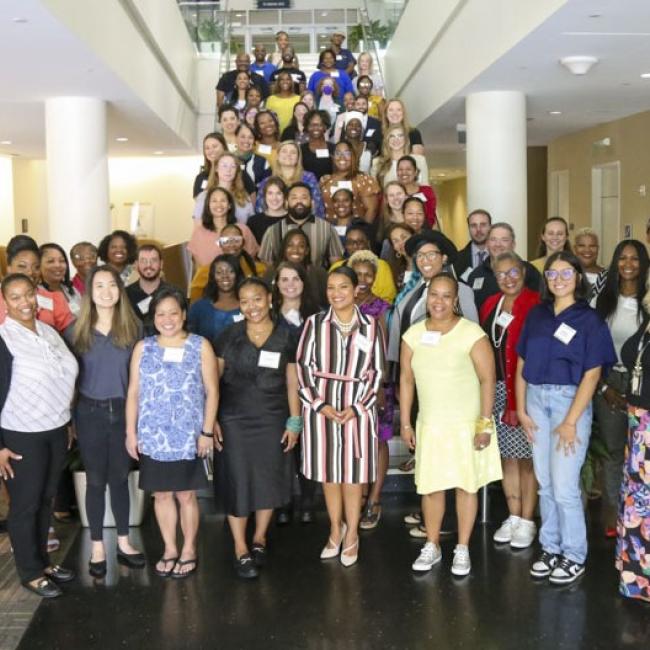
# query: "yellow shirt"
539,264
200,278
384,285
283,108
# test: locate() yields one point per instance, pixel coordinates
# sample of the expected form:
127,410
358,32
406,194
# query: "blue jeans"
563,530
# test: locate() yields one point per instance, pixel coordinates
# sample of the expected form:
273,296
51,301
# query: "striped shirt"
43,377
340,372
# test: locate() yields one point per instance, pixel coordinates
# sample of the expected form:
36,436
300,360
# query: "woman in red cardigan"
502,317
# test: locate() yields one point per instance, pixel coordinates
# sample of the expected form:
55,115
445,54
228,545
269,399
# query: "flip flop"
179,576
166,560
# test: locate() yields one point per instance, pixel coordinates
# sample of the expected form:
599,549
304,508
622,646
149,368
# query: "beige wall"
452,209
630,144
30,197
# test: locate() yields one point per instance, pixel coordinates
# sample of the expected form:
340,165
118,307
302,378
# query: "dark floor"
301,602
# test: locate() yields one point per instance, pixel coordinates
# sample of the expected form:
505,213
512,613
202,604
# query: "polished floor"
301,602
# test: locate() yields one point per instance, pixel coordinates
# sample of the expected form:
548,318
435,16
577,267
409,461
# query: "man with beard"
288,65
261,66
475,253
149,266
226,84
324,241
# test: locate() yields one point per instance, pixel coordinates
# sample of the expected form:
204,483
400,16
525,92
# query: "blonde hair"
237,190
386,210
405,122
372,61
276,168
364,257
125,328
585,232
386,160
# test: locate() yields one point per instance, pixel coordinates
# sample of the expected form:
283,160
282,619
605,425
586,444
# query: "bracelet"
484,425
207,435
294,424
406,426
603,389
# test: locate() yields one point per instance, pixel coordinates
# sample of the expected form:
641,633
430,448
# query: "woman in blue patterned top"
170,414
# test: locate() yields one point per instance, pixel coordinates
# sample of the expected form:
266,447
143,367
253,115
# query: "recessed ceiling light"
5,141
555,112
121,139
158,153
595,15
645,75
441,175
20,19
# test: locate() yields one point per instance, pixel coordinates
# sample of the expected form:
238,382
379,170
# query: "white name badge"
362,342
419,195
342,185
265,149
259,72
340,230
370,133
143,305
237,318
430,338
478,284
293,317
504,319
564,333
322,153
204,184
175,355
44,302
339,57
334,74
269,359
466,273
296,78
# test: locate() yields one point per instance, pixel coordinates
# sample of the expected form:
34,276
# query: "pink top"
52,310
79,284
204,245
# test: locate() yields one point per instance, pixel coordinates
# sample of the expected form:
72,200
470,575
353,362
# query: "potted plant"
374,31
209,34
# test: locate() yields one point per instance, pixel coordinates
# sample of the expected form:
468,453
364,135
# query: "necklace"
345,328
261,332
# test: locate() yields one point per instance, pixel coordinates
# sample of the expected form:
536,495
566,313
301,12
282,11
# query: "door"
606,208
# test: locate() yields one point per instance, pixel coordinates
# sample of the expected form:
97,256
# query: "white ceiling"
41,58
617,32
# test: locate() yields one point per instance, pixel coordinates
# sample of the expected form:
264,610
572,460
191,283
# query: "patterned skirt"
633,525
513,442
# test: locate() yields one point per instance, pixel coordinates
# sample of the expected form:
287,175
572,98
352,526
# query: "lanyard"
498,341
636,382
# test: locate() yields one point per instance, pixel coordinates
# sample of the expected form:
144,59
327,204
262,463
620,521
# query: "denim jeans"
563,530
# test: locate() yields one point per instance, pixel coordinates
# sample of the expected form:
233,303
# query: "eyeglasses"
396,136
234,239
84,258
429,257
565,274
513,273
345,153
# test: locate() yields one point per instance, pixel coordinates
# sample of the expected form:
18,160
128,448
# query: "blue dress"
171,401
206,320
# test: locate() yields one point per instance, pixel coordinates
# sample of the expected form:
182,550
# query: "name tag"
322,153
466,273
335,74
143,305
339,57
296,78
370,132
342,185
430,338
259,72
237,318
419,195
340,230
44,302
478,284
264,148
363,343
564,333
204,184
269,359
293,317
174,355
504,319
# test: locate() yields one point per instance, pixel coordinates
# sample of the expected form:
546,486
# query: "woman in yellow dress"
450,362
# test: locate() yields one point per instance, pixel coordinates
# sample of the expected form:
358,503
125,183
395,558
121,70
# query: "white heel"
349,560
332,551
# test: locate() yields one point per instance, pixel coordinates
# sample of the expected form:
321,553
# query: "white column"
77,170
496,158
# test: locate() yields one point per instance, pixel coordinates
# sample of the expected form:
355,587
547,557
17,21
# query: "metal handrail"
224,62
364,16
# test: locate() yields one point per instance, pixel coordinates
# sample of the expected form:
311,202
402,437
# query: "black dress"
253,410
319,167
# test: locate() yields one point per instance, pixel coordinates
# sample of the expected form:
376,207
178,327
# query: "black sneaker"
259,554
566,572
543,566
245,567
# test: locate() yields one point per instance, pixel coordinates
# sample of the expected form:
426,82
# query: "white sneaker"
461,565
419,532
504,534
523,535
429,555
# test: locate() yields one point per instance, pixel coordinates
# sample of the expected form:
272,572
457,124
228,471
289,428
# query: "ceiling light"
595,15
578,65
5,141
121,139
645,75
20,19
158,153
555,112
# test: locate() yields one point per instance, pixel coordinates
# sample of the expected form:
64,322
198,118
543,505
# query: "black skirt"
171,476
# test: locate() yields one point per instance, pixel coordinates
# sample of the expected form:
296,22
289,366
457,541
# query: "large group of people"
327,313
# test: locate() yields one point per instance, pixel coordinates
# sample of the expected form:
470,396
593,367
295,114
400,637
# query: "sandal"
407,465
165,561
371,516
181,563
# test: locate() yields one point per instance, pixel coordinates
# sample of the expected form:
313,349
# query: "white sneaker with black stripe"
543,566
566,572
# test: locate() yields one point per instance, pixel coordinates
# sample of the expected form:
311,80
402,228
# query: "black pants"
101,435
31,494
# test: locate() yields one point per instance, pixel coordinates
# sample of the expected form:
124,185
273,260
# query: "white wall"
7,225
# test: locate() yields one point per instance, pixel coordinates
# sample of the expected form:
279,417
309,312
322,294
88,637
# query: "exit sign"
274,4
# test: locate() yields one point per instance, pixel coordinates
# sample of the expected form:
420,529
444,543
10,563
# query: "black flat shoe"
60,574
97,569
132,560
259,554
283,517
245,567
306,517
44,588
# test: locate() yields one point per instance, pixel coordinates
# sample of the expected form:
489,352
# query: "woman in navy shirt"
563,348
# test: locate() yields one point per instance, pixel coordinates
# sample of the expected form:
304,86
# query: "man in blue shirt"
344,58
261,66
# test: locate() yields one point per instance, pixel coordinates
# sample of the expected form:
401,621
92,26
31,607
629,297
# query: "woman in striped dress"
340,368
